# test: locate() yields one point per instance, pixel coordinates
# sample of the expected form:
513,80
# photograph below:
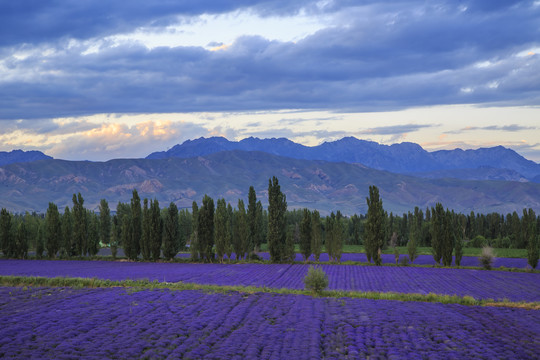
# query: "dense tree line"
216,231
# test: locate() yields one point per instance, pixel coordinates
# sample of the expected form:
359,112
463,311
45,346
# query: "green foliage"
22,241
375,227
478,242
93,233
305,235
105,222
486,257
67,246
254,219
316,235
156,230
335,237
171,233
6,238
205,229
53,231
40,242
316,280
458,250
447,245
116,230
230,231
356,229
404,261
193,242
221,228
241,232
146,231
437,232
79,226
530,234
277,207
126,233
288,252
132,247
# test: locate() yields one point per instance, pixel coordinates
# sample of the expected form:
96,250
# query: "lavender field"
497,285
65,323
472,261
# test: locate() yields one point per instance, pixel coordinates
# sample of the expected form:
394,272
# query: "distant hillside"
404,158
322,185
20,156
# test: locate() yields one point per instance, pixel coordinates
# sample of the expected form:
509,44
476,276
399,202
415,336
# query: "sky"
97,80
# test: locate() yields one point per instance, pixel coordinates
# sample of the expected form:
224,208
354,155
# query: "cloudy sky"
106,79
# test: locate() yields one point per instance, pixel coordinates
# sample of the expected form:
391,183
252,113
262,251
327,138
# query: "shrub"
478,242
486,257
404,261
316,280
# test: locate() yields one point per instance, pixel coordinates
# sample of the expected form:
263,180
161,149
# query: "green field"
503,253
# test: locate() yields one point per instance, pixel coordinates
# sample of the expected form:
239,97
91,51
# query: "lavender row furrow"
472,261
57,323
480,284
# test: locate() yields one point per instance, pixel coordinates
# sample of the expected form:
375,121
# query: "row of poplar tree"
217,231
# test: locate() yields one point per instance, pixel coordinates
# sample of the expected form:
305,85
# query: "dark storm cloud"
378,56
35,21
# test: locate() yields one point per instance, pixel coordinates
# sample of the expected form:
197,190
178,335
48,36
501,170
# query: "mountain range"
18,156
316,184
496,163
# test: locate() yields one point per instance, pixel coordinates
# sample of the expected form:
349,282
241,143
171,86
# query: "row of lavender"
498,285
518,263
64,323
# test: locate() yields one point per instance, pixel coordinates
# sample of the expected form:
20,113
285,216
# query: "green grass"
139,285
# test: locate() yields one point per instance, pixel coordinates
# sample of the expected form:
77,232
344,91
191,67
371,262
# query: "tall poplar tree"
437,232
6,239
305,235
134,249
205,229
230,231
193,242
447,238
68,247
252,219
241,231
530,233
259,221
316,235
104,222
146,231
338,235
171,233
22,241
375,227
221,235
156,230
93,233
277,207
54,230
79,225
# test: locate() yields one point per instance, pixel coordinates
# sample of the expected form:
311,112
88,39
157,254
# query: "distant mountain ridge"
403,158
20,156
315,184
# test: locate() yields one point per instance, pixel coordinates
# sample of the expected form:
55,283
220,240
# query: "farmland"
497,285
115,322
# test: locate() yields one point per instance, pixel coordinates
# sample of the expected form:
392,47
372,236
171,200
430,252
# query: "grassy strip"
139,285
